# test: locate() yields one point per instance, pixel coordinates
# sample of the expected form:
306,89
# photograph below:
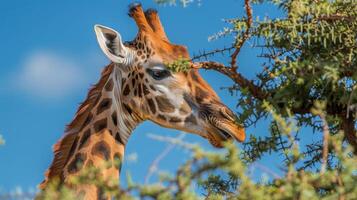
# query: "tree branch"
243,82
245,35
348,126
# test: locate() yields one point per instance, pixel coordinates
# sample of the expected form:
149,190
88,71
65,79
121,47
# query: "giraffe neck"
98,134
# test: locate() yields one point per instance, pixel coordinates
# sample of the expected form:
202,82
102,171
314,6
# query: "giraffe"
137,86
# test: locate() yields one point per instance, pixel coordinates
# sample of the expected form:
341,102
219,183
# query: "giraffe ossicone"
137,86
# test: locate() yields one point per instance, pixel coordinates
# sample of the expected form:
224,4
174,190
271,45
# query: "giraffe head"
178,100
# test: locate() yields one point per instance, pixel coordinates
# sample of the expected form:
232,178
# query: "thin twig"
155,163
211,53
245,35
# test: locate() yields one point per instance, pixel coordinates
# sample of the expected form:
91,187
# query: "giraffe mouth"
225,132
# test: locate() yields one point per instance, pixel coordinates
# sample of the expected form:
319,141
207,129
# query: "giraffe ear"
111,44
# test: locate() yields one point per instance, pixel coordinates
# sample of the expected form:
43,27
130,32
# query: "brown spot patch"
185,108
84,139
73,147
175,120
200,94
191,119
133,82
145,90
109,86
115,118
100,125
152,106
164,104
88,120
152,87
77,163
118,138
102,150
141,75
104,105
140,91
126,90
127,108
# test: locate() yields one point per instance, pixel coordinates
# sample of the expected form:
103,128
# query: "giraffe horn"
153,18
137,13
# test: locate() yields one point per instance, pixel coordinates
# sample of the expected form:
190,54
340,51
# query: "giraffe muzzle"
224,127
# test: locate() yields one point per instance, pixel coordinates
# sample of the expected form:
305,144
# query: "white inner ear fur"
112,46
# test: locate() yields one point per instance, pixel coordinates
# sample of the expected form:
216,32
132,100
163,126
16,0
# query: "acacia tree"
310,57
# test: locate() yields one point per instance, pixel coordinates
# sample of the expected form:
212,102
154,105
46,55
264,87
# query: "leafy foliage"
308,80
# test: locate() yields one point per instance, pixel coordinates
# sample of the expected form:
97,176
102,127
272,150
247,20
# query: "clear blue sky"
49,57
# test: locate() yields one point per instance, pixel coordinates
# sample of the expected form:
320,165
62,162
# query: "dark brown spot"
152,106
133,82
77,163
127,108
84,138
141,75
104,105
115,118
139,53
102,150
200,94
191,119
135,92
118,138
88,120
145,90
164,104
152,87
175,120
109,85
140,93
126,90
73,147
100,125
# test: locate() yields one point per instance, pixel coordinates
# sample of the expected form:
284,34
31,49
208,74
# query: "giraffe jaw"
224,133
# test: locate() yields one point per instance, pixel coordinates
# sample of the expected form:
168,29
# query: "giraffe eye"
158,74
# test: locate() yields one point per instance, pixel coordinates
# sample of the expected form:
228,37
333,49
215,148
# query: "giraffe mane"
63,147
